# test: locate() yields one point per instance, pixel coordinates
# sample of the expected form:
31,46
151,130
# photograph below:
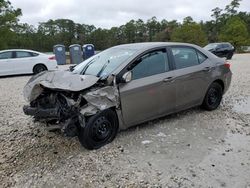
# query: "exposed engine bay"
67,100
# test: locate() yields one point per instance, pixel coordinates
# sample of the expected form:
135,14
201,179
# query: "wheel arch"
38,65
219,81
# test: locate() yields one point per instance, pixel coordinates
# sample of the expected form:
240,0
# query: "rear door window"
23,54
6,55
151,64
225,45
220,46
185,57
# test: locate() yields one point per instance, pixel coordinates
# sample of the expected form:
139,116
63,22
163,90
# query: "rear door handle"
207,69
169,79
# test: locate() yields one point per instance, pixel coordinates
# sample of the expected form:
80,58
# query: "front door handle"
169,79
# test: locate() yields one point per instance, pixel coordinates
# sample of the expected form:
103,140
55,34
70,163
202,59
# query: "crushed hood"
61,80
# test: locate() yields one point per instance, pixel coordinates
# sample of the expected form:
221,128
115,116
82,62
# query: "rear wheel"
99,130
39,68
213,97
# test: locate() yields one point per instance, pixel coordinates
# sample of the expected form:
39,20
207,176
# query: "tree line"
227,24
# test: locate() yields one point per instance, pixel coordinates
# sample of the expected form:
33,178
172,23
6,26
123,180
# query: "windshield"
104,63
211,46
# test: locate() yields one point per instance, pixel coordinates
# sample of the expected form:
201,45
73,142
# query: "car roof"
22,50
216,43
143,47
149,45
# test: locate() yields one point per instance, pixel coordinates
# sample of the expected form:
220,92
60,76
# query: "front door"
23,62
5,63
151,93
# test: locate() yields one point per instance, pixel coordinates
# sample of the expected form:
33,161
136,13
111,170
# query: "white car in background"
19,61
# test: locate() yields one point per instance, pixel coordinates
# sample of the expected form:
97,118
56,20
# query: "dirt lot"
194,148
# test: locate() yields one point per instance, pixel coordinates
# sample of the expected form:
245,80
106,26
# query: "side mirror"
127,77
71,68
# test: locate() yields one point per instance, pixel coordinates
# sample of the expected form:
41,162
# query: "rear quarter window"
34,54
201,57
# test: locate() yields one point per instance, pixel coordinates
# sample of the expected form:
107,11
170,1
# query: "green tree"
153,27
245,16
189,32
130,31
167,30
235,32
8,21
25,37
220,17
141,31
231,9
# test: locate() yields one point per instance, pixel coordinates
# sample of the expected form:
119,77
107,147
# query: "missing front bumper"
39,113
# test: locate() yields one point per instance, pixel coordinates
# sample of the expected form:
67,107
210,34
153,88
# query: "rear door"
23,61
6,59
151,93
193,73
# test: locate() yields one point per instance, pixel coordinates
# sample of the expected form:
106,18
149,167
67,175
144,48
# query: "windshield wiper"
88,64
103,68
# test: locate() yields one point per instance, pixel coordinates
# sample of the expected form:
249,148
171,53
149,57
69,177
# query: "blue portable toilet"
59,51
88,51
75,54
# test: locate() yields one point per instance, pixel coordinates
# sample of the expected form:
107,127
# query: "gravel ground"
194,148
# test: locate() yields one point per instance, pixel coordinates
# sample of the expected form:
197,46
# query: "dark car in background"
224,49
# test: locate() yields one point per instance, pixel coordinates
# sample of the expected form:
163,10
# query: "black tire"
213,97
39,68
99,130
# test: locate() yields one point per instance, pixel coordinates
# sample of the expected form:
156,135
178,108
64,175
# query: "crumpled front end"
67,100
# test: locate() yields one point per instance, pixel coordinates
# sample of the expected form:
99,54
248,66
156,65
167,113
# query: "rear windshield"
211,46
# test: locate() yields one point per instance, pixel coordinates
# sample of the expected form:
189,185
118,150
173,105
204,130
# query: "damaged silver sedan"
124,86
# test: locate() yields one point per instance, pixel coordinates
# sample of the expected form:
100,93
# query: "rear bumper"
39,113
227,81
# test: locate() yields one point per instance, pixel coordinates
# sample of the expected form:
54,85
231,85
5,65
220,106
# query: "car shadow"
173,116
16,76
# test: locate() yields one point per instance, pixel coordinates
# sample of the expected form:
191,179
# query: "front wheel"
213,97
99,130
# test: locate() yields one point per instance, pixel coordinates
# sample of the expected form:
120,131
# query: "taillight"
227,65
52,58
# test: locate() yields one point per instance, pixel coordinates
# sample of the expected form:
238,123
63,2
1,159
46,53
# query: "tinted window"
22,54
151,64
6,55
184,57
211,46
220,46
225,45
201,57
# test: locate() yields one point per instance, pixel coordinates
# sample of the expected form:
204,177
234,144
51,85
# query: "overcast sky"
108,13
